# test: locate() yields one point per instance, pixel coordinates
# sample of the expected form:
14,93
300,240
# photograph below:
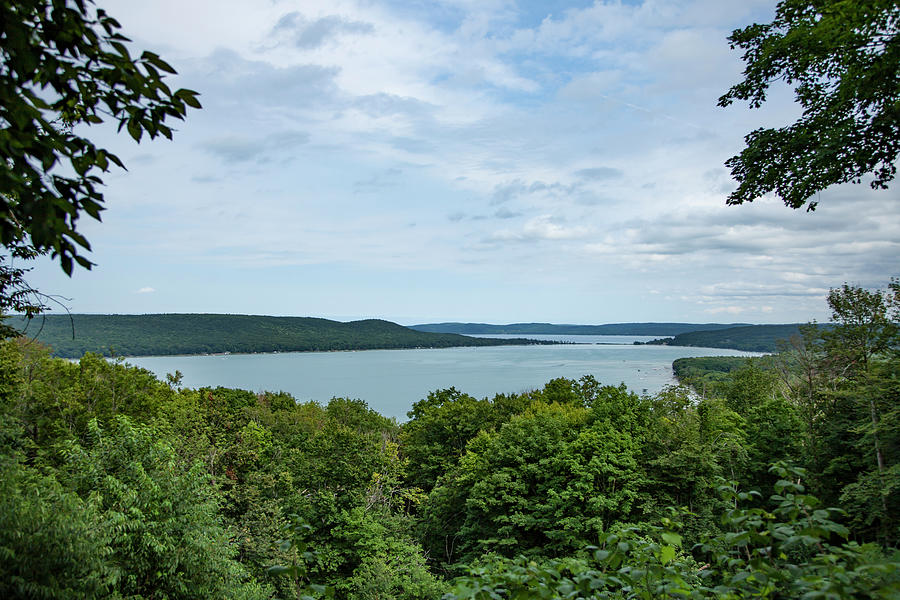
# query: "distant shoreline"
216,334
226,354
211,334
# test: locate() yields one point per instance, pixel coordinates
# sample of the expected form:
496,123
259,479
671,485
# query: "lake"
391,380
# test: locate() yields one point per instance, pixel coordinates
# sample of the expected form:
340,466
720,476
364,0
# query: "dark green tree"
65,66
546,482
439,428
862,359
795,548
866,326
843,60
53,544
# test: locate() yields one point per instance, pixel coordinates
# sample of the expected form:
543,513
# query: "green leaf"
671,538
157,62
189,97
122,50
135,130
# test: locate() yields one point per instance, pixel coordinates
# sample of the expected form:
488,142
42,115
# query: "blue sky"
465,160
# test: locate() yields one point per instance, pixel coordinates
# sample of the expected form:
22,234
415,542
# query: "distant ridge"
669,329
750,338
167,334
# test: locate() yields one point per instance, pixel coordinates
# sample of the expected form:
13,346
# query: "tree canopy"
115,484
64,66
843,60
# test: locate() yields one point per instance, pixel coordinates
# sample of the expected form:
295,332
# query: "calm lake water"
391,380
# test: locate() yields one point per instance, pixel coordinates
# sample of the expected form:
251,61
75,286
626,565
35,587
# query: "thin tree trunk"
879,456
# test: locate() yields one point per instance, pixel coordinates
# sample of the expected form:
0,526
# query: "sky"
465,160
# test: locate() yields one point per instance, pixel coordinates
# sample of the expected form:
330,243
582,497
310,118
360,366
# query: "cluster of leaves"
843,60
16,294
117,516
117,484
544,474
794,550
65,64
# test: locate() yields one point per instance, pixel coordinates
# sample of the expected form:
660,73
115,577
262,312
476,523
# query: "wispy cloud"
583,147
237,149
309,34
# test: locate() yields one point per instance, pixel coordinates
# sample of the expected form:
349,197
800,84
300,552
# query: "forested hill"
551,329
750,338
162,334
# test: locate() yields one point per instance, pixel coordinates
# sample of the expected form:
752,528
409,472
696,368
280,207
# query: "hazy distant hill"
551,329
144,335
750,338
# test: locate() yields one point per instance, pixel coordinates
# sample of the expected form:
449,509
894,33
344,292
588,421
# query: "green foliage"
749,386
772,427
117,514
843,60
794,550
552,329
750,338
439,428
153,335
694,367
856,397
16,294
133,487
192,488
65,64
54,399
371,560
867,326
161,516
546,482
827,400
689,447
50,543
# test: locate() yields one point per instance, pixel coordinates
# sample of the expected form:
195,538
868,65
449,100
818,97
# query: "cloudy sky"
465,160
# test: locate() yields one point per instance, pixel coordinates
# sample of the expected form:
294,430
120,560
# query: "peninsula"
171,334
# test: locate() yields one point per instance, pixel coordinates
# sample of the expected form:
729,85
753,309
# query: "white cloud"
585,146
730,310
145,290
542,227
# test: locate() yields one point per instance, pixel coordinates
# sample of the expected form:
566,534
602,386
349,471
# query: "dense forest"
775,478
707,366
157,335
778,480
749,338
736,336
552,329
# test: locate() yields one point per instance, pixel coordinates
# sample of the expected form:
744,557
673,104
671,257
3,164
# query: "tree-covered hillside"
750,338
552,329
701,366
778,480
146,335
